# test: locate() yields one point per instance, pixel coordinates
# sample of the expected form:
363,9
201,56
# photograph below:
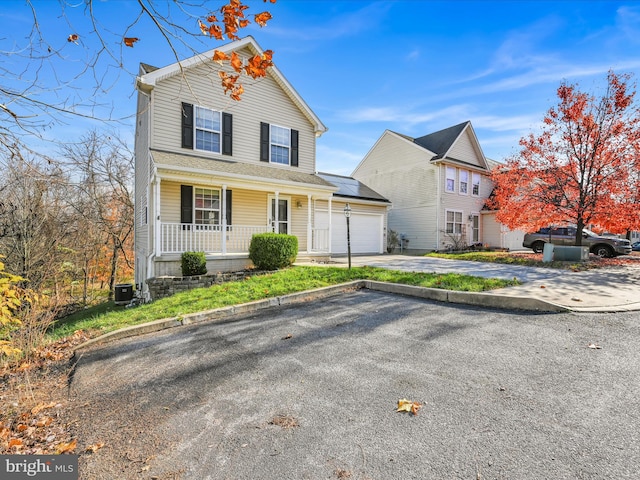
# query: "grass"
107,317
521,259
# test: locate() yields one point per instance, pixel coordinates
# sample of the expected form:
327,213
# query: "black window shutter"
294,148
186,204
264,142
227,134
229,209
187,125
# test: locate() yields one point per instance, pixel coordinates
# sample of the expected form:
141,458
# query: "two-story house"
211,171
438,185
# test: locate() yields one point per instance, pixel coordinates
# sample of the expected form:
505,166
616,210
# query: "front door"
279,220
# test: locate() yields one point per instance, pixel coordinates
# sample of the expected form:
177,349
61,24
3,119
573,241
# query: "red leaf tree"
582,169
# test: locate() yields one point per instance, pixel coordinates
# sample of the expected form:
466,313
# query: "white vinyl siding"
465,151
411,184
262,101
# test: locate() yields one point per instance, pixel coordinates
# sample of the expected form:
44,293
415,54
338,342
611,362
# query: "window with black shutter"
187,125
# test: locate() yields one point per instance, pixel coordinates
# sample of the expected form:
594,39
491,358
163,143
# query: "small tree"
580,169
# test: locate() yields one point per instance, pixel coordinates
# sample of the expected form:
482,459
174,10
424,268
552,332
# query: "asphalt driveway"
309,391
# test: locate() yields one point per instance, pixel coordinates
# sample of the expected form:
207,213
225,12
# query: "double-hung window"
207,129
280,141
464,182
207,206
454,221
450,184
475,184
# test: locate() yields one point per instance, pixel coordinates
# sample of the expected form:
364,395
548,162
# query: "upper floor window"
278,145
475,184
208,129
207,206
451,179
280,141
464,182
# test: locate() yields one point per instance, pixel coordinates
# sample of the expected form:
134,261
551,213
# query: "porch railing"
320,239
188,237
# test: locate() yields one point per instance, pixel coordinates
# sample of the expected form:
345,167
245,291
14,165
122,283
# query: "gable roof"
147,81
349,187
440,142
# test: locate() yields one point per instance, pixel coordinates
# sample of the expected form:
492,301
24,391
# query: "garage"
367,221
366,231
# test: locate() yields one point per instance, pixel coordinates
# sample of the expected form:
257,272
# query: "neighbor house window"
475,184
464,182
451,179
208,129
280,140
207,206
454,221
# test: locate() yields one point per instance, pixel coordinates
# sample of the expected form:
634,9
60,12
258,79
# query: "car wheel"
603,251
537,247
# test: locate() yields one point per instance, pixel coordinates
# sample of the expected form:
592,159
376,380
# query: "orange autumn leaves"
255,67
233,20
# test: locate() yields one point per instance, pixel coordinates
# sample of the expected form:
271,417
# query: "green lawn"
108,317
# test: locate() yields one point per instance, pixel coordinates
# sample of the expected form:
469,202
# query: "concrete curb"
447,296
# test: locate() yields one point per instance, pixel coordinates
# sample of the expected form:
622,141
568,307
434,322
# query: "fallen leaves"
405,405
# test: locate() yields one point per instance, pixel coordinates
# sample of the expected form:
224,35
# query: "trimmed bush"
193,263
271,251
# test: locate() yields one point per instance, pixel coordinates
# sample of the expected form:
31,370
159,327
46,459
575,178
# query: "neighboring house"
210,172
438,184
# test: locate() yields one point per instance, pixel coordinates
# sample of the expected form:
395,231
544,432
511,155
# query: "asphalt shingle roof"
253,171
351,188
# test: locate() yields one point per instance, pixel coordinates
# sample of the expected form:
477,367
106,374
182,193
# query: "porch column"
156,215
223,230
309,231
330,222
276,214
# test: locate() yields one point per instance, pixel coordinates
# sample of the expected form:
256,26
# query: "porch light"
347,214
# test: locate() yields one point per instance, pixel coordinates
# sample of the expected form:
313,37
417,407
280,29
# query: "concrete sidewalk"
601,290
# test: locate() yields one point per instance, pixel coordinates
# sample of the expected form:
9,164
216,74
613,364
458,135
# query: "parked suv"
598,245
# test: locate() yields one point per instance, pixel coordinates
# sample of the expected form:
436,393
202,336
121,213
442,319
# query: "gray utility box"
565,253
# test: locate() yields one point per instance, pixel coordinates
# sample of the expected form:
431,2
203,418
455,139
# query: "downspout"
223,233
330,229
438,206
309,227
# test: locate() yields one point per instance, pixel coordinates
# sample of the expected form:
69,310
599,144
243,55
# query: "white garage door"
365,231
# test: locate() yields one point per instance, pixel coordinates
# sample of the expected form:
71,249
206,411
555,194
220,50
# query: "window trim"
454,223
475,175
447,178
282,145
196,208
196,128
460,183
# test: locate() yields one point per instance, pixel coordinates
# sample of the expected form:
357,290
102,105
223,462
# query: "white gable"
467,149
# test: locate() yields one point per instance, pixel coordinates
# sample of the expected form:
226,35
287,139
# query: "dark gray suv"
598,245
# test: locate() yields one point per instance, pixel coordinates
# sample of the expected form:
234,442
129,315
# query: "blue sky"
413,67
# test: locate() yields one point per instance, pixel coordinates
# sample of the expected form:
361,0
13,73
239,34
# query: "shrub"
271,251
193,263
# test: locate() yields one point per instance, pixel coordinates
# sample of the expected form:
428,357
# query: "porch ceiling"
252,172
